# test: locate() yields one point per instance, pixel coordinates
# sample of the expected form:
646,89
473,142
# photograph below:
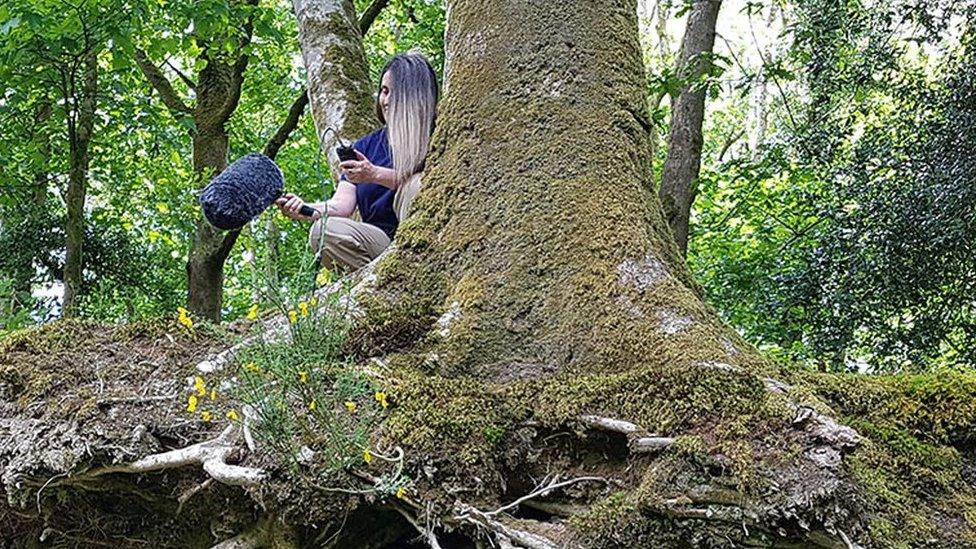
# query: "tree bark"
79,135
339,90
678,181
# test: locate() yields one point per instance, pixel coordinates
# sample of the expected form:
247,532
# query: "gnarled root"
213,455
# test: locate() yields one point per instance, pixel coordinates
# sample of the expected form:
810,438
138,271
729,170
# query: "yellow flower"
312,405
200,386
252,313
213,394
324,277
351,406
252,367
232,415
206,416
314,301
401,492
380,397
303,377
303,308
191,406
292,316
184,318
367,456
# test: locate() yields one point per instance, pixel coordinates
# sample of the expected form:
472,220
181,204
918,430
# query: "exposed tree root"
637,441
213,455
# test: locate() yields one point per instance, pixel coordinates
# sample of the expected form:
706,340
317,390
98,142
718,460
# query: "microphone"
242,191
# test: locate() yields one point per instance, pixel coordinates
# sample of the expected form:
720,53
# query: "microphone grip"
307,211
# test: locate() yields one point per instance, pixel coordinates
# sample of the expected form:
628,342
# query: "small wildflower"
367,456
252,368
200,386
252,313
401,492
213,394
314,301
380,397
324,277
351,406
312,405
232,415
184,318
292,316
191,405
303,308
206,416
303,377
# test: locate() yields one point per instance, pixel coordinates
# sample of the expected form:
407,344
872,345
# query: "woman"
385,177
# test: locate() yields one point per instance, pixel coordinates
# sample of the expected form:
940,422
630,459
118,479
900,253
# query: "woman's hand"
360,170
290,204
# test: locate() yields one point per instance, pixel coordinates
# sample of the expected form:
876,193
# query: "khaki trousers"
351,244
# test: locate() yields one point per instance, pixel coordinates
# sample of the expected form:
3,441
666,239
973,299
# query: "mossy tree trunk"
536,227
339,91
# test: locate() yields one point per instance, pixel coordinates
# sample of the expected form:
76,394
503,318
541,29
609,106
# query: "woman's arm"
364,171
342,203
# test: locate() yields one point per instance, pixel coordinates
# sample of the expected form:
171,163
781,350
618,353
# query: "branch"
370,15
544,491
427,533
291,122
240,66
162,85
471,515
186,79
729,141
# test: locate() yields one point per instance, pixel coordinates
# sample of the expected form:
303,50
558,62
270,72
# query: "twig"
427,533
540,492
133,399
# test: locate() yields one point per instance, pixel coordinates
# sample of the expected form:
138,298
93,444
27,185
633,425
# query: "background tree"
678,180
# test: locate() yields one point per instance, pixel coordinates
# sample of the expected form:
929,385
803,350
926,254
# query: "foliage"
306,402
845,240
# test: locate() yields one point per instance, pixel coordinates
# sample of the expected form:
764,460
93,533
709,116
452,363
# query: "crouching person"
382,182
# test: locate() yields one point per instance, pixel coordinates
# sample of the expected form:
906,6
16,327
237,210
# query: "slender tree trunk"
205,265
679,179
218,93
80,138
339,89
42,143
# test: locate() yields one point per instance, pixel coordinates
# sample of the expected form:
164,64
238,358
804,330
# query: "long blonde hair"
412,111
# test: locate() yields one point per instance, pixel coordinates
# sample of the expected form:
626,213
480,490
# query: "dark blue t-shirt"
375,202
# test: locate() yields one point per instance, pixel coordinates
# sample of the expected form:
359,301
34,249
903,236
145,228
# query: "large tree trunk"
678,182
339,90
533,324
79,136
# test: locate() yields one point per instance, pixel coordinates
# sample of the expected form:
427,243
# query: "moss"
920,432
83,360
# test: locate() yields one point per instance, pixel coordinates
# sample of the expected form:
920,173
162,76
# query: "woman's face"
386,88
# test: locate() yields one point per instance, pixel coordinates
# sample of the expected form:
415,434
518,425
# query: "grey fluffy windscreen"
242,191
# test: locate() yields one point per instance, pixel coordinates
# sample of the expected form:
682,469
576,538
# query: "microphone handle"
307,211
